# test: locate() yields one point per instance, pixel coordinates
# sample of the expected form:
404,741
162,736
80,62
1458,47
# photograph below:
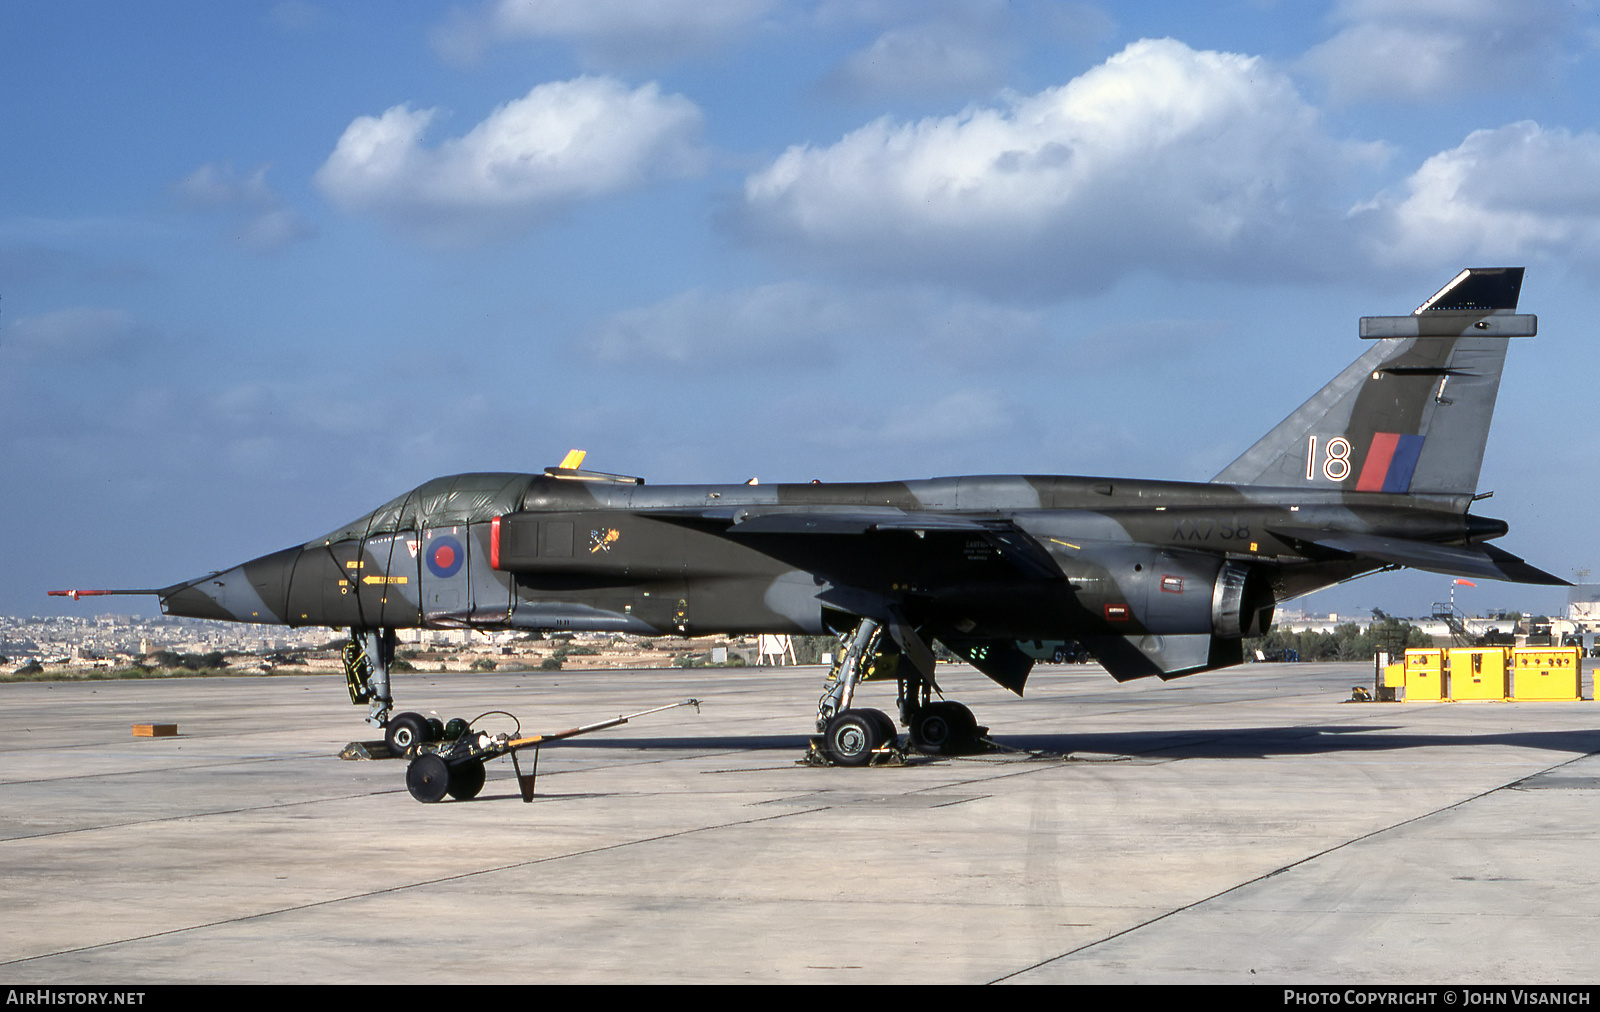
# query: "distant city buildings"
125,638
1580,624
113,641
1583,605
82,645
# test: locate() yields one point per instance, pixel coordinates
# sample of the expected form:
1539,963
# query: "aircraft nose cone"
192,601
254,592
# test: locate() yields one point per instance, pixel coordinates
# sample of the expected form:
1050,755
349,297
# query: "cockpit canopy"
442,502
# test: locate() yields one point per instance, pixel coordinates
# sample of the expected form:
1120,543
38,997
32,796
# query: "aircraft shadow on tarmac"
1313,739
1198,743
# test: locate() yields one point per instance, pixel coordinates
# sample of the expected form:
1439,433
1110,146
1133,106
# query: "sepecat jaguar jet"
1378,470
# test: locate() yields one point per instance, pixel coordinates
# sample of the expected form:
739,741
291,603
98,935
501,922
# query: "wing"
876,557
798,534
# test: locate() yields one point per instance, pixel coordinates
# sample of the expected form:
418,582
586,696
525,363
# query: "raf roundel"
445,556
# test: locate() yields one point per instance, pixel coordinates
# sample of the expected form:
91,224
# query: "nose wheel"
405,731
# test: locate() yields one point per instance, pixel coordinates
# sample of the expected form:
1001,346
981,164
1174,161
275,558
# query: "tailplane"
1412,414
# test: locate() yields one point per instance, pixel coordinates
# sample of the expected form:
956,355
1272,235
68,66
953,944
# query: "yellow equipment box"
1392,682
1525,673
1478,673
1424,675
1547,673
1394,675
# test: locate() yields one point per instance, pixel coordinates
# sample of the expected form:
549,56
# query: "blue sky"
264,266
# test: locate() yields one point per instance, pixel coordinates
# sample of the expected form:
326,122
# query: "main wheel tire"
850,737
466,780
404,732
943,728
887,732
428,778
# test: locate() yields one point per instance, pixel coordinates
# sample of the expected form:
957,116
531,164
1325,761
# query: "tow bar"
456,767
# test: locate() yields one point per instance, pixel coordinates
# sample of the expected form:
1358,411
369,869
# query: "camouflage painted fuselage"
983,557
1377,469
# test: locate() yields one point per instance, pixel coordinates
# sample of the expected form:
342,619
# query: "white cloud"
563,142
963,48
296,16
1434,49
257,215
929,58
272,230
799,324
1193,162
1145,347
77,337
961,424
607,33
1512,193
958,416
216,184
790,322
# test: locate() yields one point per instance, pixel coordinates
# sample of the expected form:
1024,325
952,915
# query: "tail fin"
1410,415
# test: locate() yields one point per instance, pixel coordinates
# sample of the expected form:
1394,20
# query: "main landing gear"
854,737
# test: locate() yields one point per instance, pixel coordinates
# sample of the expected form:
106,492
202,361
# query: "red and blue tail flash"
1390,461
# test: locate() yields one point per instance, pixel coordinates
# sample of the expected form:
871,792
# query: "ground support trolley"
456,768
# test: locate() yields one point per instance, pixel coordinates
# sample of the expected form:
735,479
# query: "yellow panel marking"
354,564
1067,543
574,459
383,579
